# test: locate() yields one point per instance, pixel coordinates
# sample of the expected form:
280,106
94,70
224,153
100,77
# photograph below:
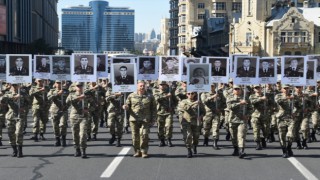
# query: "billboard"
3,20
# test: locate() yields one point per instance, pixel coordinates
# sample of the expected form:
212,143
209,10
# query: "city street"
44,161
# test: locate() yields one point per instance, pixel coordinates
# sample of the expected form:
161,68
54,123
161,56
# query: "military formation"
291,112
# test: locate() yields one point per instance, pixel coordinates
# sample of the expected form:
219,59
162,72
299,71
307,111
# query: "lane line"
115,163
303,170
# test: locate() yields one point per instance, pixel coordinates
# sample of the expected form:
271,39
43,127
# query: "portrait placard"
267,70
148,68
61,67
42,66
115,60
184,61
219,69
124,77
82,67
19,67
3,68
317,58
169,68
246,70
293,70
102,65
232,58
198,77
312,72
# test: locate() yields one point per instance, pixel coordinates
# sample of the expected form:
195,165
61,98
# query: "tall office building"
25,21
98,28
173,29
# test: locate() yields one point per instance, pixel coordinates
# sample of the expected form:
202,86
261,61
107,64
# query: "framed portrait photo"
198,77
169,68
246,70
148,67
19,68
82,67
184,61
267,70
311,75
316,57
219,69
102,65
61,67
3,68
42,66
294,70
124,77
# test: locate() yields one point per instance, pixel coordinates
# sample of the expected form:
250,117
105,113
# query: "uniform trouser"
2,121
93,123
301,123
315,119
59,123
260,124
226,120
79,131
15,131
140,136
285,128
165,126
238,133
104,115
25,117
40,119
296,127
274,125
115,123
191,133
211,122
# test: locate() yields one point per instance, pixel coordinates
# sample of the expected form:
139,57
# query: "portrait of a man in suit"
19,69
84,67
124,78
294,70
217,69
246,70
266,70
101,67
43,65
2,64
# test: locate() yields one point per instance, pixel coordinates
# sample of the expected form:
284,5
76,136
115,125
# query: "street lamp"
233,38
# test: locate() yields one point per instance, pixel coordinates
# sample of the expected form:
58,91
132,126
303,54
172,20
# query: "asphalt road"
44,161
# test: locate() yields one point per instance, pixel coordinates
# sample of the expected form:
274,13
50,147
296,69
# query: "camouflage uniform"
272,108
141,109
3,111
314,113
180,94
115,115
227,93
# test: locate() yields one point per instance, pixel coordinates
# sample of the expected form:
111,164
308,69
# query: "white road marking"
115,163
303,170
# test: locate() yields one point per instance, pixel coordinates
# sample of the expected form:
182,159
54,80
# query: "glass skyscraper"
97,28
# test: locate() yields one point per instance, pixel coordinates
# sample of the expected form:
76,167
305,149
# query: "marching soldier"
3,110
141,108
227,93
314,112
192,111
165,113
59,112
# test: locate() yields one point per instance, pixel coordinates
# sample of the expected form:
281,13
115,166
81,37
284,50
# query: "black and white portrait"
83,64
42,64
246,67
293,66
123,74
2,64
267,68
218,66
19,65
101,63
311,69
169,65
198,77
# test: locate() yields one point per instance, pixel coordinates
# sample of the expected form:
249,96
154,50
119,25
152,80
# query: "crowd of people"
280,108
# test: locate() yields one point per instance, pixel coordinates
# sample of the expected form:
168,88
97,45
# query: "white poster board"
198,77
169,68
19,67
82,68
267,70
148,67
124,77
246,70
317,58
184,61
219,69
3,68
232,58
293,70
42,66
61,67
311,75
102,65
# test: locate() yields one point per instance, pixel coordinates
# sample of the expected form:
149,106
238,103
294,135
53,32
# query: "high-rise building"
98,28
153,34
23,22
164,37
173,29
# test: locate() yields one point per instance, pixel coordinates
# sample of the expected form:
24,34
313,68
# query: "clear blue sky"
148,13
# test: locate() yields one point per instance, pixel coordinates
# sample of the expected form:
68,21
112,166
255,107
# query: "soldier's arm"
153,110
254,99
52,95
232,104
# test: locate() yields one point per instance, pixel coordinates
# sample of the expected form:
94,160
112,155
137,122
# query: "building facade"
23,22
163,48
98,28
173,29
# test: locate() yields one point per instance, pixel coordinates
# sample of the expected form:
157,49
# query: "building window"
201,5
219,6
219,14
183,8
236,6
248,38
293,20
294,37
249,8
183,19
200,16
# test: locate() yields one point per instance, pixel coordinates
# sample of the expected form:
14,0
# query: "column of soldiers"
270,109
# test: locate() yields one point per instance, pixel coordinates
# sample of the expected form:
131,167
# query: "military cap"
79,84
318,81
285,86
39,79
236,86
163,82
230,80
141,81
57,81
256,85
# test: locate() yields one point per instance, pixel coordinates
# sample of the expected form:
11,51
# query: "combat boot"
88,137
304,144
0,142
299,144
271,137
162,143
35,137
113,138
195,149
84,155
126,129
215,144
15,151
263,142
258,147
205,141
77,153
189,155
94,137
284,152
313,135
118,142
64,143
42,137
58,143
20,154
228,136
241,153
289,150
235,151
169,142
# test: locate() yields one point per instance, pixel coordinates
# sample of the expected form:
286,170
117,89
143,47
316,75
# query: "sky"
148,13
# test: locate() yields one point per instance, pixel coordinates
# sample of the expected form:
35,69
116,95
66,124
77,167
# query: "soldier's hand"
263,98
168,95
81,97
290,97
314,94
214,96
125,107
118,94
60,92
16,96
243,102
42,89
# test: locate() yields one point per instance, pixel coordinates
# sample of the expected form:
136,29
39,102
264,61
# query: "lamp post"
233,38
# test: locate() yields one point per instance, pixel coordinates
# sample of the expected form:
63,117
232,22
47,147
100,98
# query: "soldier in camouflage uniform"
211,121
165,113
40,109
289,107
227,93
59,112
3,110
104,104
79,115
181,94
192,112
272,109
312,96
17,104
238,120
259,117
115,115
141,108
